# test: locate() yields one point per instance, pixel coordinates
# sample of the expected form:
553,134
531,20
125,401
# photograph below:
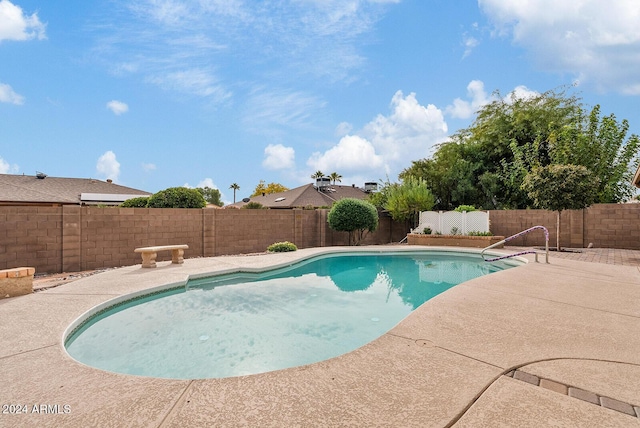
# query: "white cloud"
462,109
343,129
387,144
7,168
194,81
521,92
15,25
7,95
117,107
277,156
108,166
148,167
207,182
469,43
597,41
353,153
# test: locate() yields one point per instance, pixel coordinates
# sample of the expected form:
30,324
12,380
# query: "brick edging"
572,391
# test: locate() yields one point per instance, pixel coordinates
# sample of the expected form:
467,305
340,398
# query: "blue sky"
162,93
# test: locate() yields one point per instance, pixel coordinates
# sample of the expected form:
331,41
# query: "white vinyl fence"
453,222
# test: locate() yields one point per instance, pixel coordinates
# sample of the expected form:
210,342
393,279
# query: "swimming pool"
248,323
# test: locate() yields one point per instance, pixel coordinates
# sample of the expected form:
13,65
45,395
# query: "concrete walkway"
538,345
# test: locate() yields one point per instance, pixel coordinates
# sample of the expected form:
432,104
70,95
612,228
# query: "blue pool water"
241,324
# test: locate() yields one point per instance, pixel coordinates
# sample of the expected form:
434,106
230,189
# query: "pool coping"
428,371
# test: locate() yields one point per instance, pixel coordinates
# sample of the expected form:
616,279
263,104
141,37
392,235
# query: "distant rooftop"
41,189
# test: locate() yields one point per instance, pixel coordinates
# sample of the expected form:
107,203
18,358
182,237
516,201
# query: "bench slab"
149,254
16,282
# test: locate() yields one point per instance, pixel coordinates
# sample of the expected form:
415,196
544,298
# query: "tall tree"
212,196
267,189
317,174
334,176
235,187
354,216
561,187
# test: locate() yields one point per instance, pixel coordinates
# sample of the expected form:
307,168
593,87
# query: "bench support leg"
149,260
177,256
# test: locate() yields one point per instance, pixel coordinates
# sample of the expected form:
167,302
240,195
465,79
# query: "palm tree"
334,176
235,187
318,174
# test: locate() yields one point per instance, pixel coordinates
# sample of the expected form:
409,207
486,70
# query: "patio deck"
538,345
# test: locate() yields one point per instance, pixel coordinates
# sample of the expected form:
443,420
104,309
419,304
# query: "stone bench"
16,282
149,254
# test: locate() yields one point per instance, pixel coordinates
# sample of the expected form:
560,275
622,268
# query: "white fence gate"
453,222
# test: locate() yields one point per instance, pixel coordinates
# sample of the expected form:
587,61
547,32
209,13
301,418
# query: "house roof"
307,195
636,178
29,189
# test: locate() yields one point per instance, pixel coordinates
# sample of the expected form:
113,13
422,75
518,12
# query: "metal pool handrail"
517,235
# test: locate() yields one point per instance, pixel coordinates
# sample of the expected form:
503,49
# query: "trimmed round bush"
177,197
354,216
140,202
282,247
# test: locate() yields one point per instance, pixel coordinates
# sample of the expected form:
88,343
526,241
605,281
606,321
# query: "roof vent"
280,199
322,183
41,175
370,186
245,200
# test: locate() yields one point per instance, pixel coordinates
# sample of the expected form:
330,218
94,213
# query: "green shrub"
253,206
427,231
463,208
354,216
141,202
282,247
177,197
476,233
455,231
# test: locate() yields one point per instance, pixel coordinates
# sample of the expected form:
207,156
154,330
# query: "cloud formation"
596,41
117,107
108,166
7,95
386,144
277,156
15,25
461,109
148,167
7,168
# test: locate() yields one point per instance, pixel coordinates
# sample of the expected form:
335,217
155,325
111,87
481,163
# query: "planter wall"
453,240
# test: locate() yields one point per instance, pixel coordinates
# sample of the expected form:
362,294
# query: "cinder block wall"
74,238
603,225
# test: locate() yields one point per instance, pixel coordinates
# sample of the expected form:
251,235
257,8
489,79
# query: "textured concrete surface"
568,323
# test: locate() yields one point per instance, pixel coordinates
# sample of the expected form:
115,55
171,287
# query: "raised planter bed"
453,240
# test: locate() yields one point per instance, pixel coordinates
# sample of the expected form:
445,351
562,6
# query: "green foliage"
477,233
334,176
212,196
281,247
455,231
253,206
465,208
406,200
561,187
140,202
427,231
354,216
268,188
476,166
601,145
177,197
317,174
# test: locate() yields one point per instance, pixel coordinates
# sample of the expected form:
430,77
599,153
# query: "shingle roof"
307,195
56,190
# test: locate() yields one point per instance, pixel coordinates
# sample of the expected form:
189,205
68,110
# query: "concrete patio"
538,345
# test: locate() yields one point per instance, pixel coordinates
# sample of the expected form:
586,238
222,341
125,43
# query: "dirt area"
46,281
